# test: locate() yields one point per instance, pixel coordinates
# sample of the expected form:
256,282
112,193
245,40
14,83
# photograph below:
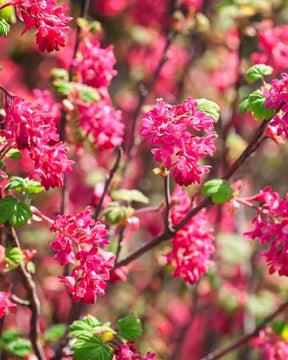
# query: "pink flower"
110,8
5,304
176,147
271,346
129,352
49,20
193,244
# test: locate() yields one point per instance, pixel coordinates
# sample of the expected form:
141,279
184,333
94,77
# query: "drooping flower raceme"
49,20
176,147
277,95
129,352
193,244
29,128
5,304
79,239
271,228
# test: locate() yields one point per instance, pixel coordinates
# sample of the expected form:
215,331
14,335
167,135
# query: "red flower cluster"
83,234
277,94
273,44
94,67
178,148
129,352
272,346
193,244
271,227
49,20
28,128
5,304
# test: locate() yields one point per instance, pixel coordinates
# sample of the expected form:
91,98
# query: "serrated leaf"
115,213
20,347
21,215
13,256
219,190
55,332
16,183
257,106
244,106
88,94
26,185
129,196
129,327
91,347
4,27
209,107
63,87
6,209
255,72
14,154
86,325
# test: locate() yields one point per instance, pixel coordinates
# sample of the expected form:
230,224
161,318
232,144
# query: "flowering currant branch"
245,338
34,302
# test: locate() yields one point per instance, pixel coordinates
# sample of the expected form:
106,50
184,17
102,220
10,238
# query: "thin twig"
120,239
30,287
108,181
20,301
245,338
168,224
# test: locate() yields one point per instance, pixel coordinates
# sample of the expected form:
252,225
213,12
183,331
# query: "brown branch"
34,305
167,219
245,338
108,181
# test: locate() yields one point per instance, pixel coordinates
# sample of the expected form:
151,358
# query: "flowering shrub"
133,139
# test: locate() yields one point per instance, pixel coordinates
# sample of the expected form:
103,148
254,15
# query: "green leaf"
16,183
129,196
4,27
55,332
14,154
20,347
14,211
13,256
58,73
9,336
257,106
91,347
219,190
129,327
88,94
255,72
31,267
279,326
209,107
63,87
84,326
115,213
244,106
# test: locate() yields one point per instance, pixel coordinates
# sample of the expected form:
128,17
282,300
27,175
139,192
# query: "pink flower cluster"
273,46
79,238
28,128
193,244
5,304
49,20
272,346
94,67
177,148
110,7
129,352
277,95
271,228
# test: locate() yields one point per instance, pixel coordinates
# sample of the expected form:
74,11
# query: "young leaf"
4,27
129,196
244,106
55,332
129,327
16,183
20,347
255,72
115,213
84,326
91,347
63,87
88,94
209,107
219,190
257,106
13,256
9,336
14,154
